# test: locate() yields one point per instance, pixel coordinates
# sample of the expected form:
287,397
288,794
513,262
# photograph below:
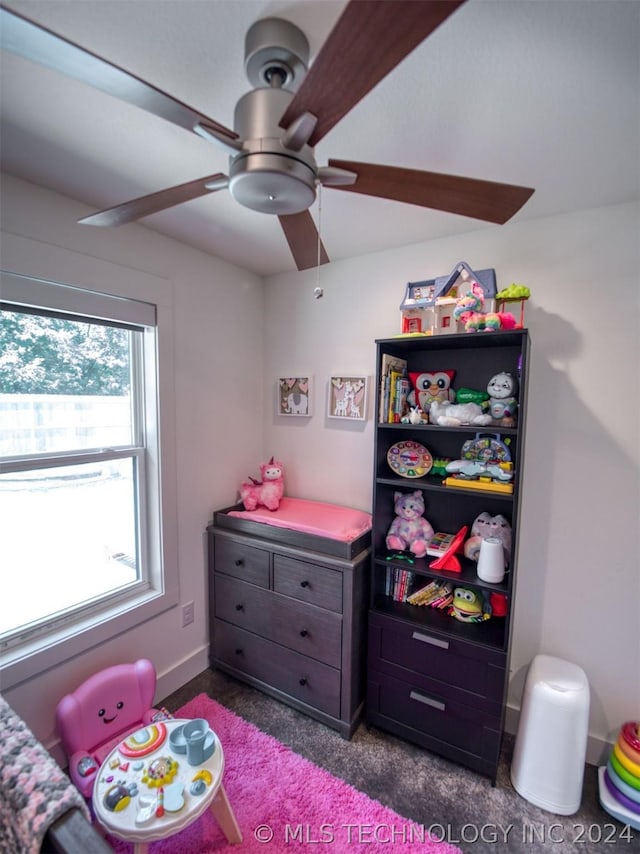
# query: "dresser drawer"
242,561
433,720
307,680
477,673
308,630
308,582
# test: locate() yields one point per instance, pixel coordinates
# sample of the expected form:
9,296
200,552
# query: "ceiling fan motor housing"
267,176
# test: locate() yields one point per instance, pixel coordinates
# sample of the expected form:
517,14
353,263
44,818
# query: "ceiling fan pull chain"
318,292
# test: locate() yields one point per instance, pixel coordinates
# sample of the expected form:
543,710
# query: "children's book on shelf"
398,583
439,543
394,388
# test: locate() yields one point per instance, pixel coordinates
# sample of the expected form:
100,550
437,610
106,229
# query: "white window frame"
38,651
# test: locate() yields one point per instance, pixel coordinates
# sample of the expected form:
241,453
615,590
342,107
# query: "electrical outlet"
187,614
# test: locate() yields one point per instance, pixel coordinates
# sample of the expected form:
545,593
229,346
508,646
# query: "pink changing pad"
312,517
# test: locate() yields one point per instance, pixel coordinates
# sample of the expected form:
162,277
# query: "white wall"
215,305
578,594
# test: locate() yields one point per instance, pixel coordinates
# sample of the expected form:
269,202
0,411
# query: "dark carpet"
457,805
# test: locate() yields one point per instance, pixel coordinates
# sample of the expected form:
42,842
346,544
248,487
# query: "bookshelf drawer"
433,720
468,670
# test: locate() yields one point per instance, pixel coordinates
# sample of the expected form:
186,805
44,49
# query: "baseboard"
181,672
598,747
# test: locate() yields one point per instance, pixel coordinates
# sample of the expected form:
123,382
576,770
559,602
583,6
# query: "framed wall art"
294,396
348,397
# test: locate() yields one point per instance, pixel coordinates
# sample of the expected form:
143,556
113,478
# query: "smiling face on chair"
108,716
108,703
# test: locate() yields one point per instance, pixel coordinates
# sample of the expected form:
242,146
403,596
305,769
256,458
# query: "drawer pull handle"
304,584
239,562
303,633
303,681
239,607
433,641
436,704
239,651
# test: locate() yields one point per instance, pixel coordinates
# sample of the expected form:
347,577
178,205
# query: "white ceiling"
541,93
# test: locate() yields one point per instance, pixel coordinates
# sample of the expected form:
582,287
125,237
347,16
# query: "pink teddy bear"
409,530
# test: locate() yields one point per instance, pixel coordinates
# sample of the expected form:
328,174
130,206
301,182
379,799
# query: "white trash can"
551,743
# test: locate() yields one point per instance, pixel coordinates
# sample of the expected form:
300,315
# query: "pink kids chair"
102,711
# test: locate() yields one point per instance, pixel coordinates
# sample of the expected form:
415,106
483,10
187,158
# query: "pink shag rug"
283,802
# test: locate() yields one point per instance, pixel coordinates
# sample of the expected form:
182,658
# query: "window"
80,501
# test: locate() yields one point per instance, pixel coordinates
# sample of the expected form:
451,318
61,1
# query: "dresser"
289,618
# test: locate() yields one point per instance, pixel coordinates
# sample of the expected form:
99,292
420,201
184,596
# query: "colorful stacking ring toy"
632,767
627,803
619,783
630,752
622,772
630,732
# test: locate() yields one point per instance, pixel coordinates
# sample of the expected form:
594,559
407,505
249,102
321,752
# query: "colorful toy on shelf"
415,416
487,526
470,311
266,492
446,414
448,560
471,395
430,386
428,306
485,464
487,448
111,704
469,606
503,405
409,459
619,781
514,294
409,529
477,470
439,466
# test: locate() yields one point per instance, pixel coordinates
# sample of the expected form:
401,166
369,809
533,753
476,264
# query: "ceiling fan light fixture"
272,183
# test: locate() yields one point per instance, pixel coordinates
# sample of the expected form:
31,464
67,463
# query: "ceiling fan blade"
370,38
303,239
485,200
154,202
38,44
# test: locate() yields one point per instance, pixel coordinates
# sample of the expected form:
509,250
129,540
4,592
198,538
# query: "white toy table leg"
221,808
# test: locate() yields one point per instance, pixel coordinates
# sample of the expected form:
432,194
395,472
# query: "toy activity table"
147,789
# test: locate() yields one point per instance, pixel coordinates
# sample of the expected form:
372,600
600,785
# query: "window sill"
50,649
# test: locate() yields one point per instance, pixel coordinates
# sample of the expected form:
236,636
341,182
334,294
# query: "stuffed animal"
469,606
448,414
266,492
503,405
469,310
409,530
430,386
486,525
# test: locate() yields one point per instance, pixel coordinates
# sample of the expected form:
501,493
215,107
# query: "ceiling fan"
272,167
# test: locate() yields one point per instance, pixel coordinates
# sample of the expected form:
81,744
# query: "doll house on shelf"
427,307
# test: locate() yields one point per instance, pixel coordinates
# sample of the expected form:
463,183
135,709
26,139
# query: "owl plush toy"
429,386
